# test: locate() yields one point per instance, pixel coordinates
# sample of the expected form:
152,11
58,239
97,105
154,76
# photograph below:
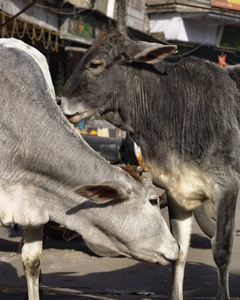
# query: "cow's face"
130,222
101,74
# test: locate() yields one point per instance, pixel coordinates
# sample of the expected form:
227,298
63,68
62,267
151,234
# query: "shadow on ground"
81,274
141,281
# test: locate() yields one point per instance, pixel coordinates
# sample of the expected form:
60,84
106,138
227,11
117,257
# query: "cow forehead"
140,183
112,36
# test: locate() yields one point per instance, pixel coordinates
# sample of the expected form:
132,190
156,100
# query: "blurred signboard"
83,29
229,4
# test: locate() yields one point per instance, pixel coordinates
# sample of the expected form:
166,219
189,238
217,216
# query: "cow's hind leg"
31,259
181,226
226,199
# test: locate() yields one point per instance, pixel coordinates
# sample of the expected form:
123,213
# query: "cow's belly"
188,185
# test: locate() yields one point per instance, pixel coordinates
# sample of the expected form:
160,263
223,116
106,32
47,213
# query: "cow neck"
73,160
135,108
47,145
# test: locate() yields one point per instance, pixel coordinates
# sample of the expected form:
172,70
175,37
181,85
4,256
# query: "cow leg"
181,225
31,259
222,241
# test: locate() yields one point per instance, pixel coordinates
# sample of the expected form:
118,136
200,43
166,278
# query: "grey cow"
185,116
48,172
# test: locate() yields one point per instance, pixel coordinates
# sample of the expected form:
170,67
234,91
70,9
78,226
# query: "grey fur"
185,118
43,159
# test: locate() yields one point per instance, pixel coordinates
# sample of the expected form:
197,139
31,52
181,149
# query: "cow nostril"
59,102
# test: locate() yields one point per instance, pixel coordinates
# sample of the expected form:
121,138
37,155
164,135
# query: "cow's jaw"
74,113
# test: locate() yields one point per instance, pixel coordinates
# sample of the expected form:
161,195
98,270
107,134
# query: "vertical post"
121,16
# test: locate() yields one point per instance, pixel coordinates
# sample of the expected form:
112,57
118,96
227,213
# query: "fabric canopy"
176,27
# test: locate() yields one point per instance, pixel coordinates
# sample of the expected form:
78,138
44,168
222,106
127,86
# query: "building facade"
202,28
64,29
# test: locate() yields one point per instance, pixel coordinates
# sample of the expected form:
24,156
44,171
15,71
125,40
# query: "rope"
33,31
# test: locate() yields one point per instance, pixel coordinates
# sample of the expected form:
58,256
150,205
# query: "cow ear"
100,193
150,53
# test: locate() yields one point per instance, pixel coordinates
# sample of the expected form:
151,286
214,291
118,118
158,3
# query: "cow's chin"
105,251
74,119
163,262
101,250
160,260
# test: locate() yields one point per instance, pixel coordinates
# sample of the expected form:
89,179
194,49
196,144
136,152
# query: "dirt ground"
71,271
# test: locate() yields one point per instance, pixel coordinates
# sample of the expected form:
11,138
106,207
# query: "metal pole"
121,16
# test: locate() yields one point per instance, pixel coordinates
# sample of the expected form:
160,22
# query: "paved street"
70,271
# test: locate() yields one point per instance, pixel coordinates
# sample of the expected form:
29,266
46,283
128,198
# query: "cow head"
95,81
123,217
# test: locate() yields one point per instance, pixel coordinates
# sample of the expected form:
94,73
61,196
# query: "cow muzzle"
72,118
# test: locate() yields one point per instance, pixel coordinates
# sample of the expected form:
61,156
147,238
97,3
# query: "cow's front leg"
181,225
226,199
31,259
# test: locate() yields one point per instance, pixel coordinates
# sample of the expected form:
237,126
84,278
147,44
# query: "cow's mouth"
74,118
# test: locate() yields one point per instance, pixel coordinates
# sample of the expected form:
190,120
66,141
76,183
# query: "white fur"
187,184
11,211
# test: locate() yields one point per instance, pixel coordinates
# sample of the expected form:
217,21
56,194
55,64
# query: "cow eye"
94,65
153,201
